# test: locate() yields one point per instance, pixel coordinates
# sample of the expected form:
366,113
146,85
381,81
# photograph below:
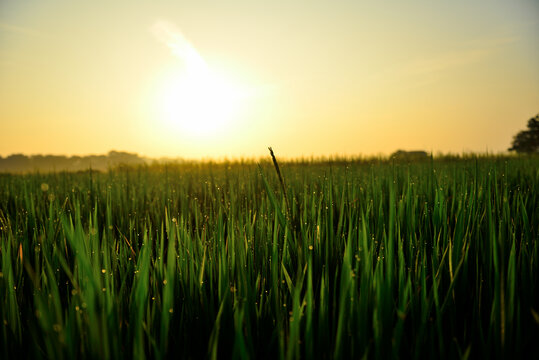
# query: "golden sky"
203,79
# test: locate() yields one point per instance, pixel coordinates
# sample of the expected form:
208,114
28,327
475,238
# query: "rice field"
340,259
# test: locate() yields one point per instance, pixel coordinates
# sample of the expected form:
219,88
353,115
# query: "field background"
383,259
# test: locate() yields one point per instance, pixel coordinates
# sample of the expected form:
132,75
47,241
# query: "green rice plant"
320,259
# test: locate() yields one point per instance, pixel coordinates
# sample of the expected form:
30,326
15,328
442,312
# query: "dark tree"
527,141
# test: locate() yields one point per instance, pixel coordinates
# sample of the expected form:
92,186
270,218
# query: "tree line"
22,163
527,141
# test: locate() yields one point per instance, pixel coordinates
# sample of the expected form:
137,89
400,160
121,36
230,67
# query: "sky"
227,79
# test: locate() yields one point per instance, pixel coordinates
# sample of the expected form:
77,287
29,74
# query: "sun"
195,99
200,102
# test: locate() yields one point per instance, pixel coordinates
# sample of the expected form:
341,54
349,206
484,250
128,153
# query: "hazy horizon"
267,156
310,78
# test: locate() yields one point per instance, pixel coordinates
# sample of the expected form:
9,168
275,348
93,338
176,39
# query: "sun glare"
195,99
200,103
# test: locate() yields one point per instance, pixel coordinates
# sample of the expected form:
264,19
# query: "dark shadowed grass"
383,260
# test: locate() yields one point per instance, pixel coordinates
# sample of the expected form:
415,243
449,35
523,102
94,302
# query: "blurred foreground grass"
436,259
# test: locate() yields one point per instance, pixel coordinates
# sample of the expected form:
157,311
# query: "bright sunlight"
195,99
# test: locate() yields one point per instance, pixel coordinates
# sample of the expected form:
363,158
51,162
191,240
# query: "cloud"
500,41
196,67
445,61
426,69
170,35
19,29
478,50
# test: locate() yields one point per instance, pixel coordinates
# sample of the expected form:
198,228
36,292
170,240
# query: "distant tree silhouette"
527,141
417,155
23,163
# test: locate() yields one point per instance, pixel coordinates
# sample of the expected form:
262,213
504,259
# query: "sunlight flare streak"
195,98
